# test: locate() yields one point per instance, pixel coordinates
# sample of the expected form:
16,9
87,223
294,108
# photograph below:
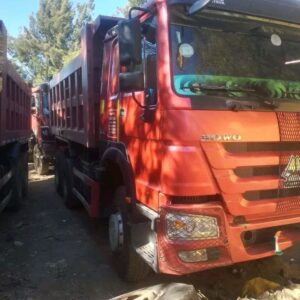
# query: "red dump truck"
14,131
42,143
182,125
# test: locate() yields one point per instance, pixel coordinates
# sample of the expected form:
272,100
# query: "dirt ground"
50,252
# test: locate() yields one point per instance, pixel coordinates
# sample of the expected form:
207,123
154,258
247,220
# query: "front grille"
289,126
244,172
288,205
263,147
194,199
247,172
271,194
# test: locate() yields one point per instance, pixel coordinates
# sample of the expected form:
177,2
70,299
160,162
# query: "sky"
15,13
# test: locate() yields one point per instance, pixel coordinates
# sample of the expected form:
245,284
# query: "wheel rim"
116,232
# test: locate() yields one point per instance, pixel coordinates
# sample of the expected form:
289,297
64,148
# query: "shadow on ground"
50,252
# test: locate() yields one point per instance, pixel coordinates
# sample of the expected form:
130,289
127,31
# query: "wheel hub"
116,232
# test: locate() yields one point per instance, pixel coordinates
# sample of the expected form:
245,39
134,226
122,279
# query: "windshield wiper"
293,93
234,104
197,87
270,103
237,105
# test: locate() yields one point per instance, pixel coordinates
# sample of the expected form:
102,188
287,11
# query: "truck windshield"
235,56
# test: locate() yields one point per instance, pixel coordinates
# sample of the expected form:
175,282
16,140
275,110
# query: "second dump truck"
14,131
182,125
42,143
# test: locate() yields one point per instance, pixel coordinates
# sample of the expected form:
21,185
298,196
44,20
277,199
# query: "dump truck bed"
15,98
75,92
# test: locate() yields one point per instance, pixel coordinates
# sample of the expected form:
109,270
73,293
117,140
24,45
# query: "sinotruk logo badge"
291,173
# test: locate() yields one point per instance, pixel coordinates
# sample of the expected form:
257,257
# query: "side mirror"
131,82
130,47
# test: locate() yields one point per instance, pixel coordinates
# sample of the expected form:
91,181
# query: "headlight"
191,227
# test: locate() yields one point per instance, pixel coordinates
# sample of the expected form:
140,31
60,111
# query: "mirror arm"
146,10
153,106
137,101
139,104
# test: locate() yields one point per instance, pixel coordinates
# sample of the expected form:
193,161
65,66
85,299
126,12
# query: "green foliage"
130,4
52,37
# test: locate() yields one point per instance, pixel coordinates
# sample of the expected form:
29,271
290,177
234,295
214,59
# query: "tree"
52,37
131,3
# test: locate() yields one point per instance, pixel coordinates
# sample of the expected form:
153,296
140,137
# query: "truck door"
139,113
120,113
124,117
140,122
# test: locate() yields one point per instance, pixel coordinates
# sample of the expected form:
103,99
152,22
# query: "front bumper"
230,245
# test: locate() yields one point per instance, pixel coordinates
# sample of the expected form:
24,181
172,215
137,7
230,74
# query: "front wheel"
16,186
129,265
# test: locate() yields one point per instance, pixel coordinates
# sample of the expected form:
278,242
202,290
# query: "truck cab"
42,143
215,154
183,127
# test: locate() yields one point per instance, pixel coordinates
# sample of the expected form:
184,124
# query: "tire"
25,175
57,181
129,265
41,166
70,200
16,185
59,158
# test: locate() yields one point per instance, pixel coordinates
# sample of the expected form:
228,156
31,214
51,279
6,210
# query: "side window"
149,48
149,37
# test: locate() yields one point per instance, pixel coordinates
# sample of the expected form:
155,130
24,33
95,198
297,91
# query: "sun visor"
287,10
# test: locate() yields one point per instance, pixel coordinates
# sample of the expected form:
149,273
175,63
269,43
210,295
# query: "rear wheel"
66,179
41,166
16,185
129,265
25,175
58,173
